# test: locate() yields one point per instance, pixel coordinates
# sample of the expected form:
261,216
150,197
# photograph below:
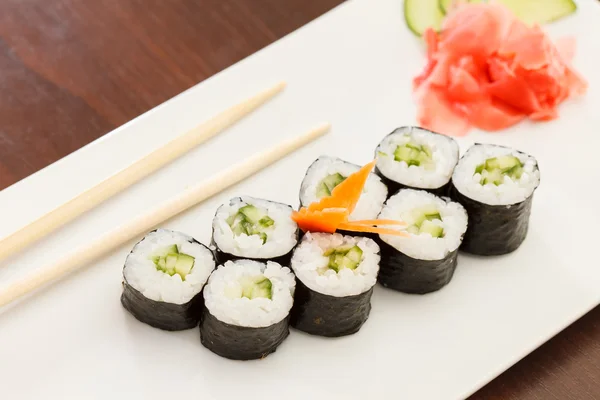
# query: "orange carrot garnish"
332,212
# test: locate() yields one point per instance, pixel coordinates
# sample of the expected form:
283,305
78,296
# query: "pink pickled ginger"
486,69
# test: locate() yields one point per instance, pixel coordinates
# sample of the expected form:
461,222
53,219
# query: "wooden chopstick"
132,174
152,218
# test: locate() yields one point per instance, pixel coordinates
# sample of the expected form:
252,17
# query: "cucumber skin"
239,342
329,316
493,230
409,275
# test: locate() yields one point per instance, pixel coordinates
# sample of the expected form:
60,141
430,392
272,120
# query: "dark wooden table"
73,70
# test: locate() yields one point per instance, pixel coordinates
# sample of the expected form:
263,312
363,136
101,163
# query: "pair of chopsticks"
132,174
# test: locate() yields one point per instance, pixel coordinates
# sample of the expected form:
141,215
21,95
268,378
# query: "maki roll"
325,173
163,279
257,229
335,278
496,185
425,261
247,305
412,157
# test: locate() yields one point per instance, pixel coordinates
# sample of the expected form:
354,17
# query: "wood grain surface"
73,70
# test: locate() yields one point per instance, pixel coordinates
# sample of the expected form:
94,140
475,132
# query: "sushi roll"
163,279
247,305
325,173
256,229
335,276
496,185
425,261
412,157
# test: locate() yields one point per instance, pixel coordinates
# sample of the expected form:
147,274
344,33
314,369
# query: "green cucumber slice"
255,287
250,220
540,11
354,255
184,265
417,215
170,262
515,171
446,5
420,220
413,154
266,222
327,184
247,226
433,216
405,153
263,236
502,162
422,14
493,170
251,213
344,257
163,252
434,230
413,229
414,146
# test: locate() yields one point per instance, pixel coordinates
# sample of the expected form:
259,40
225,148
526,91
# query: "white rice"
423,246
140,271
281,236
370,202
509,192
310,265
444,154
242,311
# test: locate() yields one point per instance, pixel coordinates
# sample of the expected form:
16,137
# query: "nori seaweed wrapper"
240,342
409,275
160,314
222,256
324,315
394,186
493,229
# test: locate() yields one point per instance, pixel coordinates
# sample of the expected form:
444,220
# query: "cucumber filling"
421,219
251,287
250,220
170,261
414,154
343,257
327,184
493,170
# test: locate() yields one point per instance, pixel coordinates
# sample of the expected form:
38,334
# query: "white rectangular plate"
352,67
